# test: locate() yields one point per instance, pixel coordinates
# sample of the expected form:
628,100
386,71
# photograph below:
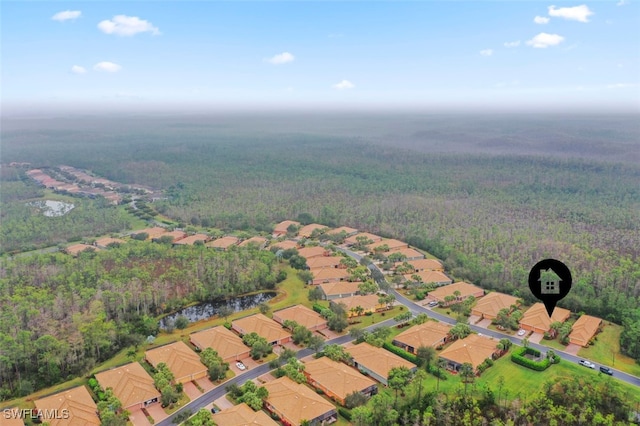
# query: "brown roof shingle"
77,402
340,287
337,377
296,401
180,359
465,290
378,360
536,316
263,326
584,329
300,314
131,384
223,341
430,333
473,349
242,415
494,302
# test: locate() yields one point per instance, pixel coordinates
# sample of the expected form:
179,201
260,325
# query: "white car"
587,364
240,366
522,332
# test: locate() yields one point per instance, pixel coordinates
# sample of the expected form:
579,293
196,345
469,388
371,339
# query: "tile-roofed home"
223,243
263,326
339,289
377,362
473,349
354,238
131,384
347,230
428,334
337,380
391,244
155,232
537,320
285,245
104,242
242,415
426,265
180,359
176,235
324,262
281,228
368,303
466,290
489,306
307,230
75,405
302,315
327,275
191,240
293,402
584,329
408,253
228,345
76,249
435,277
311,252
258,241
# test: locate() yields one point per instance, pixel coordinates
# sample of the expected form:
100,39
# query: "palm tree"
441,363
467,374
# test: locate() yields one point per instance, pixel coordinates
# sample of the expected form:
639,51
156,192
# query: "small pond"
209,309
51,208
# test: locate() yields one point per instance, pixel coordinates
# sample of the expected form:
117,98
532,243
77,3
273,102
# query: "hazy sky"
546,55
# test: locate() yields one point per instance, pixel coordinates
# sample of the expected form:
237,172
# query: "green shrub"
344,413
518,358
400,352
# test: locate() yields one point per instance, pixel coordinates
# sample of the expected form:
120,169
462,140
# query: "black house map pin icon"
550,281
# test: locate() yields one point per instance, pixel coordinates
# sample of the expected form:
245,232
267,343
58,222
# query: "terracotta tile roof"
176,235
426,264
296,401
369,301
285,245
378,360
75,249
409,252
346,230
257,240
337,377
437,277
223,243
353,239
282,226
473,349
311,252
180,359
103,242
131,384
493,302
340,287
329,274
77,401
223,341
584,329
263,326
430,333
465,290
155,232
389,242
324,262
13,421
300,314
307,230
242,415
536,316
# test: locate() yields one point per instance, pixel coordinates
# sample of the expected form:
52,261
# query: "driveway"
138,418
156,411
485,323
572,349
473,319
535,337
191,390
223,403
206,384
248,363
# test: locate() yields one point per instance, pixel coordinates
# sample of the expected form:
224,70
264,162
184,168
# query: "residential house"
263,326
390,244
103,243
327,275
73,407
537,319
408,253
312,252
368,303
337,380
429,334
438,278
293,403
307,230
285,245
347,230
339,289
152,233
75,249
377,362
584,329
466,290
242,415
489,306
324,262
426,265
183,362
281,228
223,243
302,315
473,349
354,238
176,236
131,384
259,242
228,345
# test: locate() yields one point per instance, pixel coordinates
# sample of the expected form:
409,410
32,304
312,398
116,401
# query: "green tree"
355,399
467,374
182,322
425,355
398,379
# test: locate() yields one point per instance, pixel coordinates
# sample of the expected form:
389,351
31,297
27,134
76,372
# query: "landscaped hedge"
400,352
318,308
518,358
344,413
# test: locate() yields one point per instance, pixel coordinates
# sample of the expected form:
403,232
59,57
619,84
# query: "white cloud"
344,84
623,3
510,44
107,67
77,69
486,52
577,13
281,58
541,20
620,85
66,15
544,40
124,25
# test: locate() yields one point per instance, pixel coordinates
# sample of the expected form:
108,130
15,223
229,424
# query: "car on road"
432,304
606,370
587,364
522,332
215,409
240,366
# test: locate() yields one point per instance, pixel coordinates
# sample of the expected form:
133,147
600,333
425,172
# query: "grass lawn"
184,399
606,347
367,320
555,344
443,311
